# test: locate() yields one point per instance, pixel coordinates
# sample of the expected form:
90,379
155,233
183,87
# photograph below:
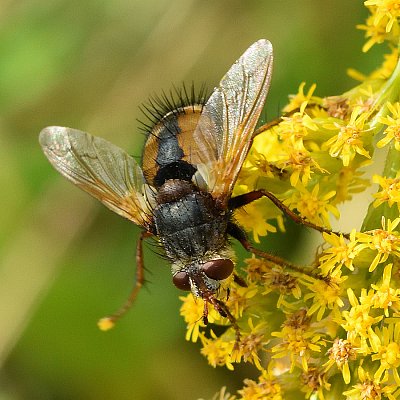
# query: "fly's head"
203,277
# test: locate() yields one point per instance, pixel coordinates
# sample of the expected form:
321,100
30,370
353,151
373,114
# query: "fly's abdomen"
169,147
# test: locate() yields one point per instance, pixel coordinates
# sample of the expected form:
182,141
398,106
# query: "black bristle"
158,106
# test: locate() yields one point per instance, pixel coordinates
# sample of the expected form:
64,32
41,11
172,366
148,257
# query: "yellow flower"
314,382
370,389
388,66
393,126
312,159
297,126
311,206
349,140
385,13
349,182
336,106
376,33
383,72
341,352
297,340
239,297
301,163
267,388
266,148
358,321
390,192
295,101
325,294
253,217
364,99
284,283
385,297
385,344
265,151
217,351
341,252
385,241
192,312
222,395
251,343
255,270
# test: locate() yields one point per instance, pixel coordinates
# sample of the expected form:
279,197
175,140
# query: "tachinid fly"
181,194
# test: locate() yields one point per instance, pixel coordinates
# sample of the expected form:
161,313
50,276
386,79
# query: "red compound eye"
218,269
181,280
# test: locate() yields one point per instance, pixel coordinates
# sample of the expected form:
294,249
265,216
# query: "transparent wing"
100,168
228,120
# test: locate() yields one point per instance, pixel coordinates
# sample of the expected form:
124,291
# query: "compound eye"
181,280
218,269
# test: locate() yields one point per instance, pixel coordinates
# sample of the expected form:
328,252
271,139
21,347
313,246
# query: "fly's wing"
100,168
228,120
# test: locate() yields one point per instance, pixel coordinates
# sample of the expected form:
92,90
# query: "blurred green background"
65,259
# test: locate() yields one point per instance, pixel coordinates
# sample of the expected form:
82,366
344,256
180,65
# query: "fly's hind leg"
238,233
108,322
243,199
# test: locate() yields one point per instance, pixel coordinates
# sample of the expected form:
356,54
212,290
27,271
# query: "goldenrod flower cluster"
333,330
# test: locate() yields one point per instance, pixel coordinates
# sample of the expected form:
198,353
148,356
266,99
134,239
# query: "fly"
181,194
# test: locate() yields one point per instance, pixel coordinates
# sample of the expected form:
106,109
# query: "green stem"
374,214
390,92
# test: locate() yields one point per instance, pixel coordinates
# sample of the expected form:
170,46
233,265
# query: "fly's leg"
274,122
238,233
205,313
219,306
239,280
280,261
243,199
108,322
223,310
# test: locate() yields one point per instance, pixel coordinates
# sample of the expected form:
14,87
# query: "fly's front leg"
239,280
223,310
243,199
205,313
108,322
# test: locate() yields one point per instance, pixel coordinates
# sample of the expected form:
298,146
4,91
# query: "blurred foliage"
65,260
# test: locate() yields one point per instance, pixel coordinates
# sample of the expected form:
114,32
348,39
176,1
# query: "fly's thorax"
189,223
205,275
170,150
174,190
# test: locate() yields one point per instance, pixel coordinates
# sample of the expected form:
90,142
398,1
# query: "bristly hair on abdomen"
175,101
